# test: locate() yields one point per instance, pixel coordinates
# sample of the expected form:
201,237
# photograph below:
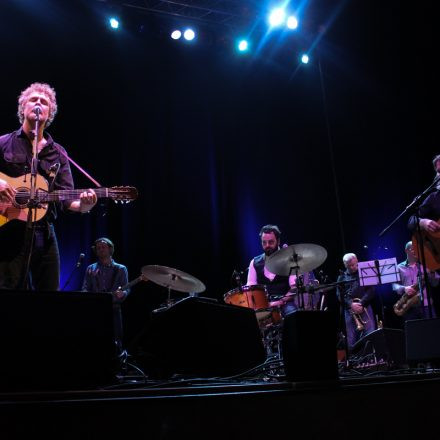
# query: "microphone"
237,278
80,259
37,110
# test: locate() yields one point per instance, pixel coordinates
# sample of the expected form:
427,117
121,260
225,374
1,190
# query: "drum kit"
298,259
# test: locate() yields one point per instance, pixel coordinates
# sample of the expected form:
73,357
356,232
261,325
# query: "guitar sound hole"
22,197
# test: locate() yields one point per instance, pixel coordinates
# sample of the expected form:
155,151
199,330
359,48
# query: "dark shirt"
16,157
353,290
105,278
430,209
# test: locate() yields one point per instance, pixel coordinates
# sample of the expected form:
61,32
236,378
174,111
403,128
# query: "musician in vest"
37,102
356,301
277,286
411,274
108,276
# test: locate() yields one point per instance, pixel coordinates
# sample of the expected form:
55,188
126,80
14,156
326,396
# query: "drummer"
281,289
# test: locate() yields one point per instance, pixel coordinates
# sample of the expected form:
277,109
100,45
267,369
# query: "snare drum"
254,297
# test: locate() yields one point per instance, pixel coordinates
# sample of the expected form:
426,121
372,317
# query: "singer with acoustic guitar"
27,155
429,215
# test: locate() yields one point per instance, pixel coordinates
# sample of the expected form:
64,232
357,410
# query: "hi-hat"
173,279
296,259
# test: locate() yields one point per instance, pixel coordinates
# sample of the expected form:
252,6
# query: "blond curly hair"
43,88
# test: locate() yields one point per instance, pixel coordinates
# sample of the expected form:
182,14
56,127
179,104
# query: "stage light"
189,34
292,22
277,17
304,58
114,23
175,35
243,45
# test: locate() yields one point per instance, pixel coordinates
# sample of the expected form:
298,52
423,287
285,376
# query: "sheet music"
375,272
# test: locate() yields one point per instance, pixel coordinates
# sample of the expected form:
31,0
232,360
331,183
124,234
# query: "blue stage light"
277,17
114,23
243,45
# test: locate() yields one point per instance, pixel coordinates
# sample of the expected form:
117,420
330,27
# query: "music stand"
378,272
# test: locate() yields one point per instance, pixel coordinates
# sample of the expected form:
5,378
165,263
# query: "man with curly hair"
38,252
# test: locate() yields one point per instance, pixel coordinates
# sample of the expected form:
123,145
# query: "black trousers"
44,269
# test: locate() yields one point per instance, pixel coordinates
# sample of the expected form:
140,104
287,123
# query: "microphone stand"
32,206
77,265
414,206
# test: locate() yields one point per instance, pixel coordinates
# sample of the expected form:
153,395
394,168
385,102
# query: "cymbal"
173,279
296,259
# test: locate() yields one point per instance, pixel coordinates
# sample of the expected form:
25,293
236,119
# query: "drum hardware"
172,279
296,259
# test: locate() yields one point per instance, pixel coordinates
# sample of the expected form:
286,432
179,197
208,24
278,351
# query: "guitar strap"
78,167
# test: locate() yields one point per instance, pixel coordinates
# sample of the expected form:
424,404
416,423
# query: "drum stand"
271,336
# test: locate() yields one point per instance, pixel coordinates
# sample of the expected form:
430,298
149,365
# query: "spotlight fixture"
292,22
243,45
304,58
189,34
277,17
114,23
176,34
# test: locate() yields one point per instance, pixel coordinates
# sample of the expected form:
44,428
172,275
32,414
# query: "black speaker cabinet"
385,344
55,340
422,340
309,346
200,337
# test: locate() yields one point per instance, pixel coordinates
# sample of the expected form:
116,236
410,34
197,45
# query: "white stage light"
175,35
277,17
292,22
189,34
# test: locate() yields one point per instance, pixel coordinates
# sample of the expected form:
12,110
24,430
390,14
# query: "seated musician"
108,276
280,288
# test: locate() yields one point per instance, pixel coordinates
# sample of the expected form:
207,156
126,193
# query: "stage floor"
376,404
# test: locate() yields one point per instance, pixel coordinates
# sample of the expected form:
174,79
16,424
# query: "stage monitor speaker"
384,344
309,346
422,340
200,337
56,340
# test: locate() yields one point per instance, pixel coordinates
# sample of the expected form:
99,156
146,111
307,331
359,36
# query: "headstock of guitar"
122,194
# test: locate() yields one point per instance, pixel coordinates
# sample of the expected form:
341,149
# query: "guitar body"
18,210
431,247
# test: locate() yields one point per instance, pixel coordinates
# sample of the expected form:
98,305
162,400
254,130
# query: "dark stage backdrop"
219,144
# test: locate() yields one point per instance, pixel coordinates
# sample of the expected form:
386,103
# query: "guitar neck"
131,283
70,194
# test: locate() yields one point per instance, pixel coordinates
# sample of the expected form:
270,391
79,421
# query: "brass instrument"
406,302
360,323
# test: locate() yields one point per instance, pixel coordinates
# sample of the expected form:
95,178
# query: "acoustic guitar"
431,247
18,209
